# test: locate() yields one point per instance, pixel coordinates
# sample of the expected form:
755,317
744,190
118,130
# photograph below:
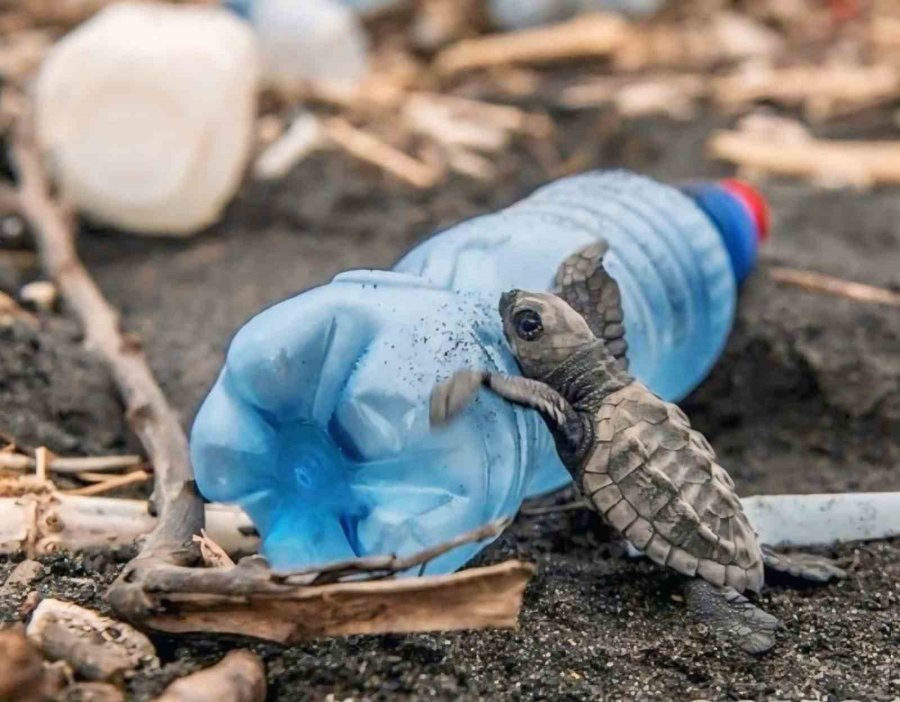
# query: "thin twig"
110,484
819,282
379,566
537,511
370,148
56,464
590,35
174,497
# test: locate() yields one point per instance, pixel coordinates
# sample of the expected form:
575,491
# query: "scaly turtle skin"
634,456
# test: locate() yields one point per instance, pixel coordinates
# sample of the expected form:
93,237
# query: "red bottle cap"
754,201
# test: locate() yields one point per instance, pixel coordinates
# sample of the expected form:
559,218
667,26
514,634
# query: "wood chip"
370,148
822,90
214,556
819,282
114,483
591,35
97,647
239,677
674,95
830,162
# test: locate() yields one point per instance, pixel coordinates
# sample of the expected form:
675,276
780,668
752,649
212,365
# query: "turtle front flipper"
731,616
583,282
571,429
450,398
802,566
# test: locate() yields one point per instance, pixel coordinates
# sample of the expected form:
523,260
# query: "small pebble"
40,295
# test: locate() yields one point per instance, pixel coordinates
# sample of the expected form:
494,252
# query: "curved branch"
175,498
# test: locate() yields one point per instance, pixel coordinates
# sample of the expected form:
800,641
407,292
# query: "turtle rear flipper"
584,283
802,566
731,616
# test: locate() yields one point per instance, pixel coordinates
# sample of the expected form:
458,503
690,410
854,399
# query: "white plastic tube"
821,520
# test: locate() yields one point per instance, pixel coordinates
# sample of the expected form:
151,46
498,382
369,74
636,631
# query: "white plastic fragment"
146,114
802,521
301,138
318,41
822,520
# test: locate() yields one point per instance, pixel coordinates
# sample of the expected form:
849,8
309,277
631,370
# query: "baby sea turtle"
634,456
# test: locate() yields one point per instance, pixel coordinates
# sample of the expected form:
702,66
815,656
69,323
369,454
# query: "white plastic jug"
146,114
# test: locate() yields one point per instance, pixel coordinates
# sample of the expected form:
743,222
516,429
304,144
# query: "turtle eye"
528,325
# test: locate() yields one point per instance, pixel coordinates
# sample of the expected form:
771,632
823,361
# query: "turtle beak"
507,302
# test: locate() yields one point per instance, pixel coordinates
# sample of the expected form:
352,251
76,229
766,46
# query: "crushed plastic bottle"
320,41
318,424
129,113
521,14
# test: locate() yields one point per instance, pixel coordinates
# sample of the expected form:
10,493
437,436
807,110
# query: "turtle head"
542,330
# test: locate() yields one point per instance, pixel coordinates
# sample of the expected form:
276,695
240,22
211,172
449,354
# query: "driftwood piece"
58,464
245,600
239,677
828,161
97,647
53,522
21,669
821,283
592,35
175,498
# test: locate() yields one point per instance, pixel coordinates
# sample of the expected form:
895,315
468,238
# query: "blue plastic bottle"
318,423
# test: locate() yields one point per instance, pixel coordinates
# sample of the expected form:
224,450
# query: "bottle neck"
740,216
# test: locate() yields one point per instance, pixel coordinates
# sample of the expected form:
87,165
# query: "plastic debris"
318,425
146,113
318,41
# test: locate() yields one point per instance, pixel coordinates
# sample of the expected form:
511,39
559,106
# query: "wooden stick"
837,84
175,497
848,162
40,463
819,282
471,599
110,484
368,147
591,35
55,522
239,677
57,464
